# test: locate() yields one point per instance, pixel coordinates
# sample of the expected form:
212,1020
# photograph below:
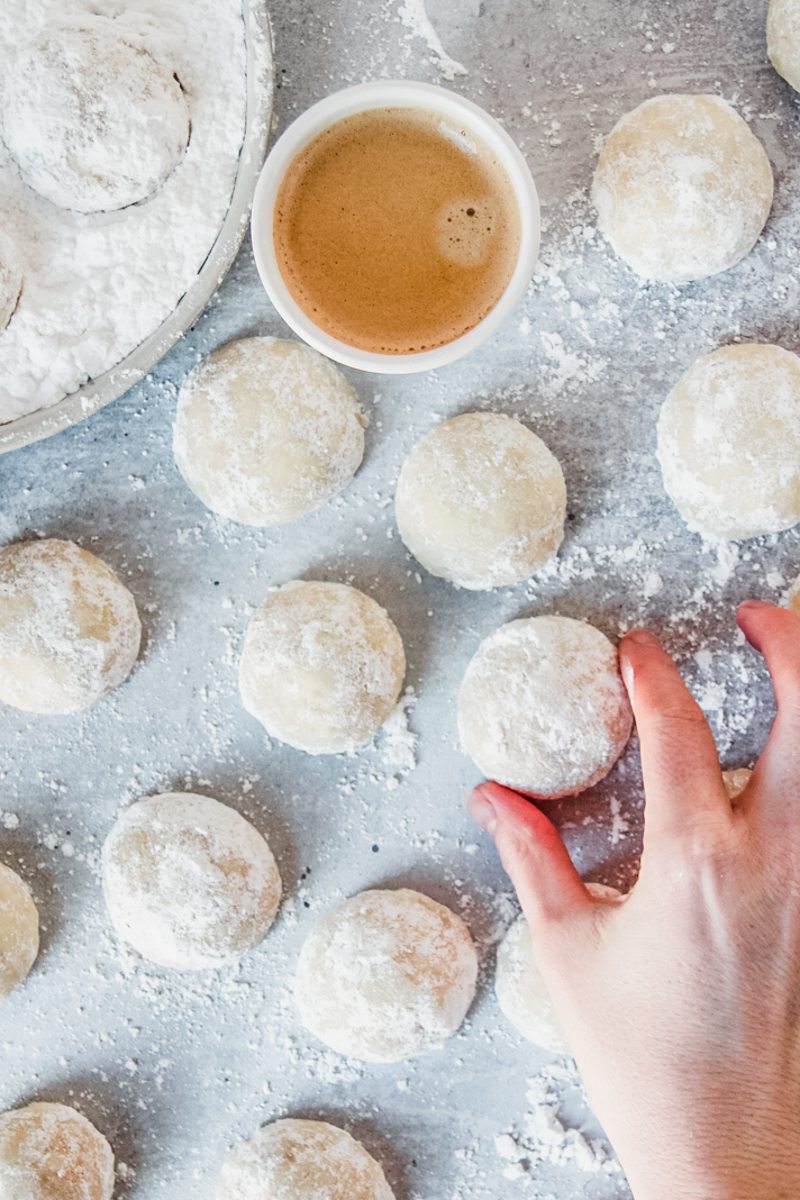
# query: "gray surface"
175,1069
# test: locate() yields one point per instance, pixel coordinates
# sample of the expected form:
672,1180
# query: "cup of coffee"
395,226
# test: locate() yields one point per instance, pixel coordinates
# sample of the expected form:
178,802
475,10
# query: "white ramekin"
393,94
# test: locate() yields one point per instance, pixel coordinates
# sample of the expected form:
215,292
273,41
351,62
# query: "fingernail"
755,604
626,667
482,810
642,637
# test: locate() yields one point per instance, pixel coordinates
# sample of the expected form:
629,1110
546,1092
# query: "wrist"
745,1153
760,1180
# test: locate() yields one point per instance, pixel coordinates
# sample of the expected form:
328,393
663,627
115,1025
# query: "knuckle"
514,846
522,846
703,837
709,840
679,717
518,856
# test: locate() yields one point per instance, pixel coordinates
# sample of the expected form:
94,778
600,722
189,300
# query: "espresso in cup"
396,231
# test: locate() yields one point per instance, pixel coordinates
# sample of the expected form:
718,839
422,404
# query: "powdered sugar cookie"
10,281
322,667
301,1160
69,630
267,430
386,976
189,882
729,442
783,39
794,596
736,781
682,188
521,992
19,930
51,1152
542,707
481,501
91,118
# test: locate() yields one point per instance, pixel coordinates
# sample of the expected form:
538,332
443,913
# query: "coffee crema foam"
396,231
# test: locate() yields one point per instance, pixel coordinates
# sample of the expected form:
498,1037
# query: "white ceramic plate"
107,387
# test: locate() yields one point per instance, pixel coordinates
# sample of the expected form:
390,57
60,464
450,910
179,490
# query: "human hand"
682,1003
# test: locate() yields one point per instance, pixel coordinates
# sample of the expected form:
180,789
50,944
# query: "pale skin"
682,1003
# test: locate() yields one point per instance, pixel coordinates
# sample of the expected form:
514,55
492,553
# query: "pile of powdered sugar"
95,286
545,1136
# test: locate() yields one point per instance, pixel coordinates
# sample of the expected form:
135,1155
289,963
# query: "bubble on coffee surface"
465,230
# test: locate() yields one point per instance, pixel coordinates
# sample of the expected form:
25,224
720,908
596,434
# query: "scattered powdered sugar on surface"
95,286
398,739
175,1069
415,18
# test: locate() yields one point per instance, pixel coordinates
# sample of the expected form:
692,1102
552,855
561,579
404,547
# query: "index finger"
682,777
775,633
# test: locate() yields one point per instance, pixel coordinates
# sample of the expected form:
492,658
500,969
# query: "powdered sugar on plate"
95,286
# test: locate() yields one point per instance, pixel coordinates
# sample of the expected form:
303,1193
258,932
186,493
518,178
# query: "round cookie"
729,442
682,188
51,1152
69,630
783,39
93,121
542,707
189,883
386,976
267,430
520,989
736,781
19,930
10,281
322,667
301,1160
481,501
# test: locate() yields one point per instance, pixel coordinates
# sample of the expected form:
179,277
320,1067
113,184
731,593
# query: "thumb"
532,853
